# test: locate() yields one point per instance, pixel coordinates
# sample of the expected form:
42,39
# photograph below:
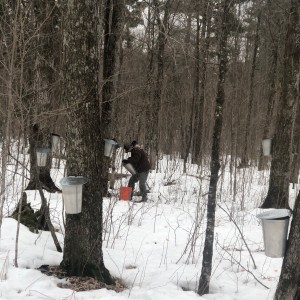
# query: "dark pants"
141,178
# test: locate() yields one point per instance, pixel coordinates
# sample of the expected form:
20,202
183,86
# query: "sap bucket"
55,139
275,225
266,145
129,168
109,147
125,193
72,193
41,156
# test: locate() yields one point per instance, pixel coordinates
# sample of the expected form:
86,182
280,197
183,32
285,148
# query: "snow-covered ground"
154,247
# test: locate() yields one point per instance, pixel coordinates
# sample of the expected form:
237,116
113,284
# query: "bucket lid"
73,180
274,214
110,141
42,150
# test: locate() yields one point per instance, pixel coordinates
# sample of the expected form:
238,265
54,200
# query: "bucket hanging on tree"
266,145
275,225
72,193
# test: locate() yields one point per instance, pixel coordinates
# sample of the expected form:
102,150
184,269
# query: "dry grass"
78,283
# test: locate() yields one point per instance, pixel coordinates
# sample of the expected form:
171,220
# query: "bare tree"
204,280
278,192
83,254
288,285
245,160
272,48
155,104
201,56
113,30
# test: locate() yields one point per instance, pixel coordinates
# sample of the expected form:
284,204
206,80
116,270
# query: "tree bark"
245,156
205,277
278,193
45,77
201,55
288,285
83,254
153,136
113,29
272,45
39,138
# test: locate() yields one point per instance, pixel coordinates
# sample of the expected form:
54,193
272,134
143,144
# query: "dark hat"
127,146
133,143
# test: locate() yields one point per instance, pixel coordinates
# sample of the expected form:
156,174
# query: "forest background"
205,79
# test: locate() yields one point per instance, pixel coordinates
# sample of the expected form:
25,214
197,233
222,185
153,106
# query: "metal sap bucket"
55,139
72,193
109,147
41,156
275,225
266,146
129,168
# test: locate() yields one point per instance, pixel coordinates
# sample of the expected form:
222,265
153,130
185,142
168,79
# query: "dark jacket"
139,160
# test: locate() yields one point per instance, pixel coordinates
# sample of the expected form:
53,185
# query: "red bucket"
125,193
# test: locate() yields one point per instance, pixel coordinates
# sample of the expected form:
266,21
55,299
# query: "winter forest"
203,86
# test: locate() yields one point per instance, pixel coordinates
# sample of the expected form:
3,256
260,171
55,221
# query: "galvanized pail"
72,193
55,139
266,146
109,147
129,168
41,156
275,224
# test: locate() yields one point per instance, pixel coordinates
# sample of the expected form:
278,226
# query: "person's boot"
131,195
144,199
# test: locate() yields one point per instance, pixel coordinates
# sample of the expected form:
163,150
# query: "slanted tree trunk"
288,285
83,254
46,55
278,193
39,138
204,281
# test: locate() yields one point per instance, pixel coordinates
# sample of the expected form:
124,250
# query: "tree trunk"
158,84
272,45
245,156
278,193
189,132
204,281
113,29
39,138
288,285
9,109
148,94
201,56
296,150
83,254
46,55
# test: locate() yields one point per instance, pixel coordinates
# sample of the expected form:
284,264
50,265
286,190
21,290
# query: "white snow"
155,247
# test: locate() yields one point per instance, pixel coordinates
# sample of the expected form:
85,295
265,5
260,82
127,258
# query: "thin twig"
242,236
247,270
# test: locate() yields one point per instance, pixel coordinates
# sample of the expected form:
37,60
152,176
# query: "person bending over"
141,164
